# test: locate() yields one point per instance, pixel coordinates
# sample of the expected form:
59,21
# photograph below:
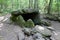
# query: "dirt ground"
55,25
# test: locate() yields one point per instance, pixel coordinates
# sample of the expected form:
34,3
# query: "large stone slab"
42,30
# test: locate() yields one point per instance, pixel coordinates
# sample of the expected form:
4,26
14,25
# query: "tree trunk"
1,6
49,6
36,4
58,7
45,6
30,3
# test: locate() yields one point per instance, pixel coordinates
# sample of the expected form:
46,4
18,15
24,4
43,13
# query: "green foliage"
12,5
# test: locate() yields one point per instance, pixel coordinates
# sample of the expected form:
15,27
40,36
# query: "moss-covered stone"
13,18
45,23
20,21
29,23
15,13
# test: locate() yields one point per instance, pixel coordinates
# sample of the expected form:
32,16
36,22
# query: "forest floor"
55,25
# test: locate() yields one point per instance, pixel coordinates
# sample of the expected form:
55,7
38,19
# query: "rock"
38,36
27,31
53,38
13,18
30,38
8,21
47,39
15,13
1,18
45,23
19,32
44,31
29,23
20,21
51,28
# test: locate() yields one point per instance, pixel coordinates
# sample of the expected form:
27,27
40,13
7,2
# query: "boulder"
13,18
45,23
38,36
20,21
29,38
44,31
1,18
27,31
51,17
51,28
29,23
15,13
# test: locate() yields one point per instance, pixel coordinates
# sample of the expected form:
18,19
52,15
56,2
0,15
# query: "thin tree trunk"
30,3
12,4
58,7
36,4
17,6
5,5
45,6
1,6
49,6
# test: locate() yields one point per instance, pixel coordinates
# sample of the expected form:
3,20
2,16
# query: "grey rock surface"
27,31
1,18
38,36
43,30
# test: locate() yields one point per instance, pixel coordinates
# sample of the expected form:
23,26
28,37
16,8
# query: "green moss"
13,18
20,21
29,23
